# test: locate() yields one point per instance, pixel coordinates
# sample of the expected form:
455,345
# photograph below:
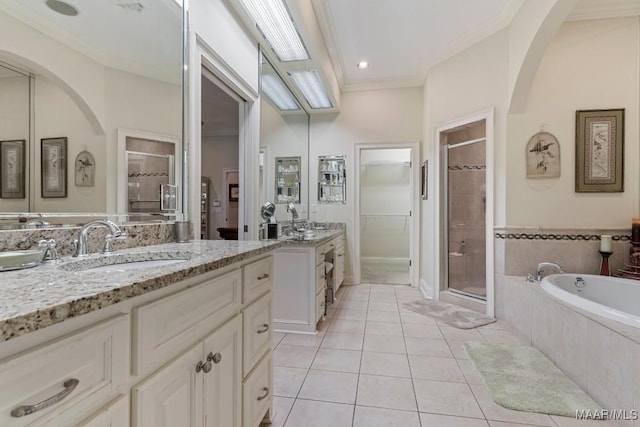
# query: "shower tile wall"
466,198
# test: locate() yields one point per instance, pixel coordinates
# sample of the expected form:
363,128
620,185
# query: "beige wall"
589,65
365,117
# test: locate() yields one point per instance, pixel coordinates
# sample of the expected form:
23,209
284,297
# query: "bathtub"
610,297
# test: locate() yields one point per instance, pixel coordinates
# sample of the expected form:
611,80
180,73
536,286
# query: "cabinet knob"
205,367
215,358
266,393
265,328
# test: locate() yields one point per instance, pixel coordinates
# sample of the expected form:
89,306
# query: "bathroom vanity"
303,269
181,339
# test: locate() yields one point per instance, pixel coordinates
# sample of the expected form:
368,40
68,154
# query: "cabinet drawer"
256,393
163,328
320,278
257,331
257,279
83,370
114,415
320,303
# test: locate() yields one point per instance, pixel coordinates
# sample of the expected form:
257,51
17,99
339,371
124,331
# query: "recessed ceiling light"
362,65
62,7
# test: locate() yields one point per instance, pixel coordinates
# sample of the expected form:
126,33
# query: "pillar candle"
605,243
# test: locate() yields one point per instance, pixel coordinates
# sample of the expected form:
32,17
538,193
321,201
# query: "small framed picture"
85,167
424,180
12,169
54,167
600,151
234,192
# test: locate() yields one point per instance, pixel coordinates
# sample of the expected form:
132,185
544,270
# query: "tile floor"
374,363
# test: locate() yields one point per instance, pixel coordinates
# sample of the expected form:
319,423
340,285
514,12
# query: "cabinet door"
172,396
222,393
114,415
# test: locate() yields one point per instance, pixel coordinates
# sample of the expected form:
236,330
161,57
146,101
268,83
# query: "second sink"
126,261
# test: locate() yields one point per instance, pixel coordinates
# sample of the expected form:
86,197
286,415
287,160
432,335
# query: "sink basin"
119,262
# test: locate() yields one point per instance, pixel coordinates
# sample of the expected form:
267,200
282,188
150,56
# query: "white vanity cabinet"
195,353
300,283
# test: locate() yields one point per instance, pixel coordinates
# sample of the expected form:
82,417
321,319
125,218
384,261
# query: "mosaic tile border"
551,236
467,167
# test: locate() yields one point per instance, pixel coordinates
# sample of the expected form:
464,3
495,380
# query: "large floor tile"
338,387
427,347
495,412
393,365
342,341
457,349
571,422
501,336
347,326
294,356
287,381
386,392
384,328
446,398
422,331
469,371
378,417
310,413
305,340
383,306
384,344
330,359
355,304
347,314
383,316
435,368
276,337
436,420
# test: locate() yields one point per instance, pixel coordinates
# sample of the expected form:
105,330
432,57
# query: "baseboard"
426,290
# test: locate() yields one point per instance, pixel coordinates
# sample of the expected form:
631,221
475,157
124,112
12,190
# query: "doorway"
464,212
385,209
219,161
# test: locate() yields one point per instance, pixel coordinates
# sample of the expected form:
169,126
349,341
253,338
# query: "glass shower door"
466,206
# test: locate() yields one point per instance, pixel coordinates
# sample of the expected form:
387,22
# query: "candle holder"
604,263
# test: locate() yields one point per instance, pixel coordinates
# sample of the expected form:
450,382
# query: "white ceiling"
138,36
402,39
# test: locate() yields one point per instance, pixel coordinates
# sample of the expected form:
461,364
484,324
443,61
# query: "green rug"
522,378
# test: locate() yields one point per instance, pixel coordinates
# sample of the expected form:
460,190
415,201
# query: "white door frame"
440,254
414,232
202,55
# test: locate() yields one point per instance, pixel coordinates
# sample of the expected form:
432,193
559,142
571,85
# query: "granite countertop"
321,237
35,298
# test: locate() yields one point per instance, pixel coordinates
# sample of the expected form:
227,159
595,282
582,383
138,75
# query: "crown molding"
587,10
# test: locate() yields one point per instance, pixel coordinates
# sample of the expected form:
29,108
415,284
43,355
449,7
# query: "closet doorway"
385,213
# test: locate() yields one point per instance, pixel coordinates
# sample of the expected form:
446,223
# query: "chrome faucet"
36,223
294,216
81,245
539,267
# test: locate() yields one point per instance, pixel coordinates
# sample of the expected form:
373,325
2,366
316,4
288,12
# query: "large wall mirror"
284,146
78,73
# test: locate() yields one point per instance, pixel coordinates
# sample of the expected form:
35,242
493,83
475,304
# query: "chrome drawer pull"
215,358
69,386
266,393
264,276
265,328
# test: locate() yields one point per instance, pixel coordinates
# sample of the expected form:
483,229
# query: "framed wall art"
12,169
54,167
85,168
234,192
543,156
600,151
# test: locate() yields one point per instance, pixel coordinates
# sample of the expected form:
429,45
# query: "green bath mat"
522,378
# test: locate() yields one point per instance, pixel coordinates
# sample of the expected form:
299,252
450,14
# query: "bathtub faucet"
539,267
